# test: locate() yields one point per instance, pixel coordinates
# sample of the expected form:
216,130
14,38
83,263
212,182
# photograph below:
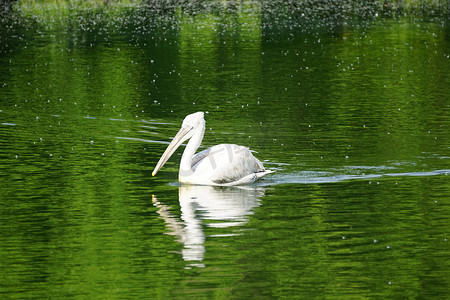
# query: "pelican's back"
227,164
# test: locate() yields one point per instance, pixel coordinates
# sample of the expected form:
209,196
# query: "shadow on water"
223,208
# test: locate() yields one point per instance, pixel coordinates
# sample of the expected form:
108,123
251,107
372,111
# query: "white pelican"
224,164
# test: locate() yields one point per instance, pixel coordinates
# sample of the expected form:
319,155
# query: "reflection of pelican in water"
220,207
224,164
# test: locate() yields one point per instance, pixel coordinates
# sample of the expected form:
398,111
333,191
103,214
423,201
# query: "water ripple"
308,177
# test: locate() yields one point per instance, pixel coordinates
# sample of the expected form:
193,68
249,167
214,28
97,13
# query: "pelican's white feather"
224,164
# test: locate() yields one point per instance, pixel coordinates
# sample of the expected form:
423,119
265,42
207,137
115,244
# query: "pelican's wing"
237,165
199,156
227,164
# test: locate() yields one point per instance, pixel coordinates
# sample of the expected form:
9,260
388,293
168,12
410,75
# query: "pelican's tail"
262,173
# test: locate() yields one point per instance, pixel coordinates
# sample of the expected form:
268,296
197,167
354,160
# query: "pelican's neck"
189,151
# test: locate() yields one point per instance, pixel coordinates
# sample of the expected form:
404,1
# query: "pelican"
224,164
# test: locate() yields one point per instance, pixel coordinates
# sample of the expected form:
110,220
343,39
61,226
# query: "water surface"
353,117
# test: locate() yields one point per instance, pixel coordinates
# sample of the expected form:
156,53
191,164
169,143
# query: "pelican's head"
188,128
194,120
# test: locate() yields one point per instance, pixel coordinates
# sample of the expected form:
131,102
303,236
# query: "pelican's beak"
179,138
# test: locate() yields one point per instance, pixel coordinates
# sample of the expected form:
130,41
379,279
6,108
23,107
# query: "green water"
354,117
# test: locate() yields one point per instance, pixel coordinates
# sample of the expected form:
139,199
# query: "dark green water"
354,117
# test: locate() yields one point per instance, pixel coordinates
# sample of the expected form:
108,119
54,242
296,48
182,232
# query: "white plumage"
224,164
